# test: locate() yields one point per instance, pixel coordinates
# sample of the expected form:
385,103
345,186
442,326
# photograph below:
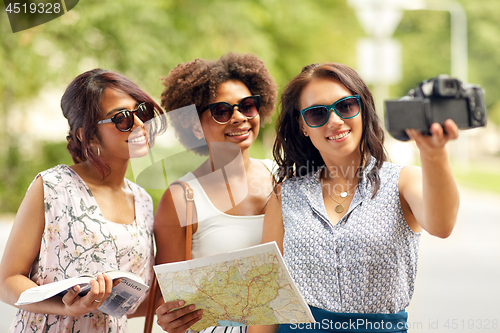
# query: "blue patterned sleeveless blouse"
367,262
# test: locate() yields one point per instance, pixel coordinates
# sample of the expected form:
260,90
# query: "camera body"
434,101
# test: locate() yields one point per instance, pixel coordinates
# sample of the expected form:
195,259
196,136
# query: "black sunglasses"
223,111
124,119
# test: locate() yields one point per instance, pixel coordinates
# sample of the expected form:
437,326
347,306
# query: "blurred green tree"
145,40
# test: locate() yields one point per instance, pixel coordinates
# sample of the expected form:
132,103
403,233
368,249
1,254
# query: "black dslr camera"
434,101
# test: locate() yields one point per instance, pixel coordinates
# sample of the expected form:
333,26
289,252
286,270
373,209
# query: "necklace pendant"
343,194
339,208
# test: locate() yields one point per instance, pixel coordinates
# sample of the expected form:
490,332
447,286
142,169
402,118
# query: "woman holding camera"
347,221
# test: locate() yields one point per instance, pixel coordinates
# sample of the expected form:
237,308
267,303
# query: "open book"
122,298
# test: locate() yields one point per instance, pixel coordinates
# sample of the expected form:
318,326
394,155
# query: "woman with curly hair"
233,96
347,221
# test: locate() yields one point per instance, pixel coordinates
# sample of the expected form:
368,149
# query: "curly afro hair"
196,82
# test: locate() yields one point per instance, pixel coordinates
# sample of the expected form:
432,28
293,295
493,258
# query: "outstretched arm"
430,194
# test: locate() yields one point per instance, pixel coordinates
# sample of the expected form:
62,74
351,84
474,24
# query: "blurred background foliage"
145,40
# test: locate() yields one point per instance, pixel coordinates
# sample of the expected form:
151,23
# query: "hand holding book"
84,298
113,292
84,288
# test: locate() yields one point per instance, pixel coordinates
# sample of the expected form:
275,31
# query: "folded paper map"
245,287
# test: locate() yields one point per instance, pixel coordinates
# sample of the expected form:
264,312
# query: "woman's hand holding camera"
433,195
433,145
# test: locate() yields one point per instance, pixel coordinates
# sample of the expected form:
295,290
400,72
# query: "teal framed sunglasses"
318,115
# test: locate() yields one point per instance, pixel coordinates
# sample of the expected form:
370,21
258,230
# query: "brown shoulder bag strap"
150,311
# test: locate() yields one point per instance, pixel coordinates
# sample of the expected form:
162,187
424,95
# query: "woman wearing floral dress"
86,218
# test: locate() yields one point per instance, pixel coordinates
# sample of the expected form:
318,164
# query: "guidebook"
123,296
239,288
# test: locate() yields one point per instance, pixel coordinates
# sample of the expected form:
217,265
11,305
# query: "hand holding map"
245,287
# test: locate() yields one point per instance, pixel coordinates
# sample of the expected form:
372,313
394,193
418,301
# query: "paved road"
458,281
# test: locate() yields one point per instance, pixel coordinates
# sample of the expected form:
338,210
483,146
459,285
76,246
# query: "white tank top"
217,231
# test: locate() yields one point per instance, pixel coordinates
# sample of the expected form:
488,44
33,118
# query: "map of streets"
245,287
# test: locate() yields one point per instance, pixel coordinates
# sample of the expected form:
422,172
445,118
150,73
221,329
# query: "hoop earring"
98,152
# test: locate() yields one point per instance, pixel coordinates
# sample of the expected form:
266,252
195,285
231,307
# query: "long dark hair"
295,154
81,105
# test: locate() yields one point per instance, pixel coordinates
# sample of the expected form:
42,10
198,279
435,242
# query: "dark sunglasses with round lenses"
346,108
222,112
124,119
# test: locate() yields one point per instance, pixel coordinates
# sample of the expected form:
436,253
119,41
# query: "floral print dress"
78,240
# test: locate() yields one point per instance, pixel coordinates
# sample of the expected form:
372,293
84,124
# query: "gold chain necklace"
340,208
343,194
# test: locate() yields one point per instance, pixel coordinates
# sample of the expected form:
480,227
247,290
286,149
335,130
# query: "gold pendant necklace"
340,208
